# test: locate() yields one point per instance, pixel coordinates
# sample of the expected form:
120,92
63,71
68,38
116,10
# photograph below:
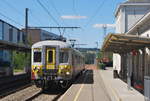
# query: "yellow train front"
55,62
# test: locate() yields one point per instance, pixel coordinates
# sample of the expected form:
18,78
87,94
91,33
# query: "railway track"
12,84
33,93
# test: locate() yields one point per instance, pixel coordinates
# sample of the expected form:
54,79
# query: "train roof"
61,44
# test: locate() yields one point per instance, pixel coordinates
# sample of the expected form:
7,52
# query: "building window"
18,36
11,34
1,30
23,37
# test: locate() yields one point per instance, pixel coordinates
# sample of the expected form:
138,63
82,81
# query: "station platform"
89,87
99,85
117,89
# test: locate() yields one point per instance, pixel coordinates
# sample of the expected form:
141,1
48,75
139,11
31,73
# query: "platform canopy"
13,46
121,43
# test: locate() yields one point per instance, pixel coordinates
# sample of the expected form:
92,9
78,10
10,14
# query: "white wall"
146,33
118,23
116,62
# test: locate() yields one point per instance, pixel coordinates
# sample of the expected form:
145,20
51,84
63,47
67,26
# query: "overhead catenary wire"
95,13
58,13
13,7
35,18
20,13
11,19
47,11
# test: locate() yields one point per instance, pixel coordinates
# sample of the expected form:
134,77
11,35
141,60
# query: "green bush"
101,65
20,60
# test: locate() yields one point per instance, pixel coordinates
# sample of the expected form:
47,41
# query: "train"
55,61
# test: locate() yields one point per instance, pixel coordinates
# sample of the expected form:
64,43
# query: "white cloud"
104,25
73,17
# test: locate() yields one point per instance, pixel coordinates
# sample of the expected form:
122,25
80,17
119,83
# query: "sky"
69,13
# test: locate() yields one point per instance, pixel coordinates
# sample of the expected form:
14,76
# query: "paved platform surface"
89,87
118,89
99,85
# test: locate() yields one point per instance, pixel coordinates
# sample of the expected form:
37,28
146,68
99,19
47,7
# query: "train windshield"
50,56
63,58
37,56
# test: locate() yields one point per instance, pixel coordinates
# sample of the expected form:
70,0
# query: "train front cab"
44,64
51,64
58,67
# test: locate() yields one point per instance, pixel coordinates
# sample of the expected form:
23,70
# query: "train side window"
64,56
50,56
37,56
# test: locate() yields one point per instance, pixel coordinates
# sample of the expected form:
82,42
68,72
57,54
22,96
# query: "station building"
10,34
141,72
131,58
35,35
127,15
13,38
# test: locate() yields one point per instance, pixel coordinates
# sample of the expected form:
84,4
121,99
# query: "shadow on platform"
85,78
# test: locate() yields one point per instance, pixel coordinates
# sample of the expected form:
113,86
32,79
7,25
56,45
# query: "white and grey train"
55,61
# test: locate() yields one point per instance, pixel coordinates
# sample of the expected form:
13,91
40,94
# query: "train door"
50,58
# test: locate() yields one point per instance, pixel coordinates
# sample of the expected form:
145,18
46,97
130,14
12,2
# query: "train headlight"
38,68
61,67
67,73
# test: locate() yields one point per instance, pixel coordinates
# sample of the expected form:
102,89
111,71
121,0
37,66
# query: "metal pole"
27,68
26,25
